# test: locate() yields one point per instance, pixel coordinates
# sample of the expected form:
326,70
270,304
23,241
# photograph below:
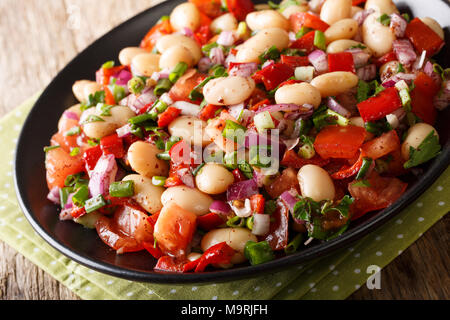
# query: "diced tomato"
339,142
306,42
220,253
103,75
154,251
380,193
391,56
422,98
423,37
165,118
77,212
209,221
278,231
208,112
174,229
203,35
382,145
155,33
273,75
212,8
60,164
292,159
112,144
66,142
305,19
341,61
395,164
238,175
183,87
294,61
240,8
173,181
286,181
375,108
257,203
91,157
180,154
347,172
169,264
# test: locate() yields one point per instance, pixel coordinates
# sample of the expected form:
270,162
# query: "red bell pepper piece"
103,75
375,108
347,172
339,142
305,19
259,104
113,145
91,156
257,203
154,251
157,31
423,37
208,112
273,75
219,253
211,8
169,264
357,2
209,221
382,145
422,98
294,61
341,61
109,97
391,56
306,42
78,212
203,35
165,118
240,8
191,265
173,181
153,218
293,160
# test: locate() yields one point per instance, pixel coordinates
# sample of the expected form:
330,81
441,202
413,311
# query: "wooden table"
38,38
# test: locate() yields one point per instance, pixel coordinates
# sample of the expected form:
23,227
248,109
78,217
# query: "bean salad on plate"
238,133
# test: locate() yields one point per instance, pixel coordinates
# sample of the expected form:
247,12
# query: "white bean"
263,40
145,193
142,158
145,64
185,15
264,19
294,9
344,44
193,256
126,55
167,41
381,6
414,137
298,93
175,54
214,179
83,88
377,37
99,129
190,199
335,10
434,25
236,238
225,22
190,129
228,90
342,29
334,83
388,69
315,183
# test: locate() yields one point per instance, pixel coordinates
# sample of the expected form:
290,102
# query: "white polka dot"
17,127
214,298
150,292
378,238
312,284
19,236
257,288
357,255
439,188
400,252
310,271
441,203
91,271
235,293
88,288
357,270
357,286
335,288
420,219
419,204
9,173
399,221
351,249
214,284
290,290
7,185
278,284
400,236
129,294
379,253
335,272
420,234
173,291
314,289
18,113
2,208
36,249
53,262
110,282
20,219
331,267
300,267
194,288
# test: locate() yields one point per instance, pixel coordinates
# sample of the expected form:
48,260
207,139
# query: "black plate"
85,247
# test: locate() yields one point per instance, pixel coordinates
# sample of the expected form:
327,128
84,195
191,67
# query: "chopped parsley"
428,149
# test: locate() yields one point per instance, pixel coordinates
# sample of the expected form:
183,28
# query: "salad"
238,133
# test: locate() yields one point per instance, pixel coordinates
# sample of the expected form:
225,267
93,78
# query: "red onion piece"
290,198
428,69
404,51
137,103
230,58
236,110
216,55
319,60
226,38
103,175
122,77
187,32
186,177
124,131
292,36
261,224
291,143
442,99
242,190
360,57
367,73
336,107
267,63
71,115
187,109
362,15
398,25
204,64
53,195
244,69
408,77
220,207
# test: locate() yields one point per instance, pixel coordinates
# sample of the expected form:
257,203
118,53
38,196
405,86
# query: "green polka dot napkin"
333,277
